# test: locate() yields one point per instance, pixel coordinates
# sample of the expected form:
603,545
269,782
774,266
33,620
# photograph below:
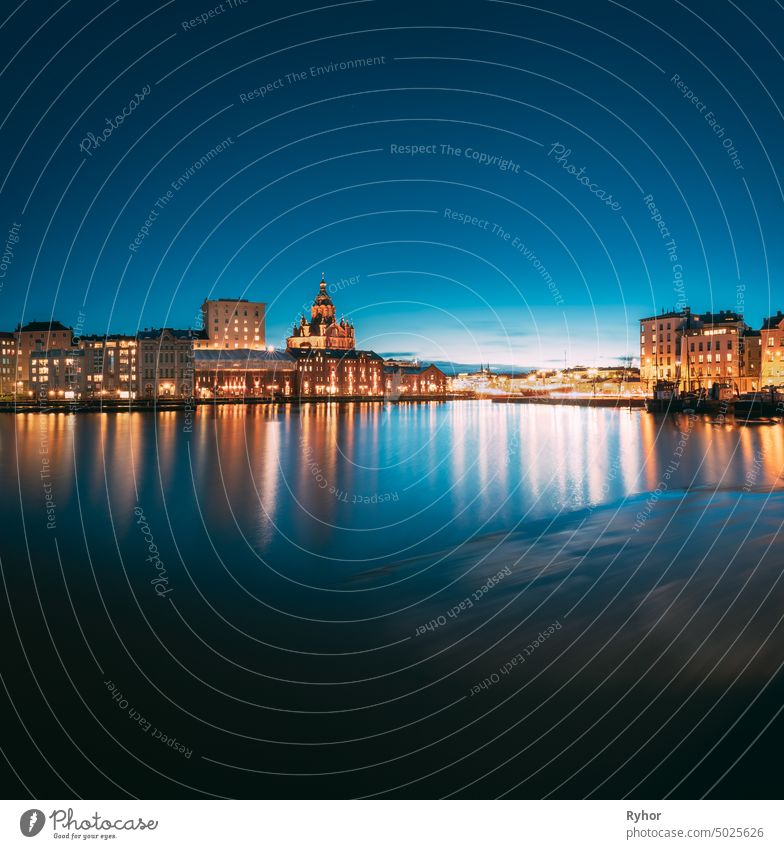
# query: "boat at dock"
766,405
624,402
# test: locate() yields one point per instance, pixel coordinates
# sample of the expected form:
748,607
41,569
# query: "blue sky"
484,171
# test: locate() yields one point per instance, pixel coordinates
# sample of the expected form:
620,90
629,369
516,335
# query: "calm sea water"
415,600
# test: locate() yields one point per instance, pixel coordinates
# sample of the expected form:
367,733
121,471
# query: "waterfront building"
323,330
697,350
772,350
110,364
413,379
752,360
232,323
165,363
480,382
57,373
660,345
7,363
37,336
713,352
324,371
244,373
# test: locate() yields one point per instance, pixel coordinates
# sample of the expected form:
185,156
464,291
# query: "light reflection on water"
332,530
370,481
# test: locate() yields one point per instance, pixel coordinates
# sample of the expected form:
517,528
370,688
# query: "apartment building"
110,364
232,323
772,350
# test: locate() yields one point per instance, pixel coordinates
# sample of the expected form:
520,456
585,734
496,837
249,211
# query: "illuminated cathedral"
323,330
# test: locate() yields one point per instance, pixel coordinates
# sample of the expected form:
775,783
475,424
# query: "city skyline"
391,407
337,287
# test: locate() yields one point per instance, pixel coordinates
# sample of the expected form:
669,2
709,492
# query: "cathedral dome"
323,299
323,329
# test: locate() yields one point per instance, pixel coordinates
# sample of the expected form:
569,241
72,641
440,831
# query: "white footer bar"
393,824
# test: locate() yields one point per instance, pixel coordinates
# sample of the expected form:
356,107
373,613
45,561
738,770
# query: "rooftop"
227,301
389,368
108,337
669,314
42,326
157,332
334,353
721,315
245,356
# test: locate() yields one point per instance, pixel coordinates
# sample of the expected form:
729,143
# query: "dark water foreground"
451,599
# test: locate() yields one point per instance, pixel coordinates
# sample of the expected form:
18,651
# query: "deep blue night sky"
308,180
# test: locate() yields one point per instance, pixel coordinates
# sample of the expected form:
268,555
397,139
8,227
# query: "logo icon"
31,822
